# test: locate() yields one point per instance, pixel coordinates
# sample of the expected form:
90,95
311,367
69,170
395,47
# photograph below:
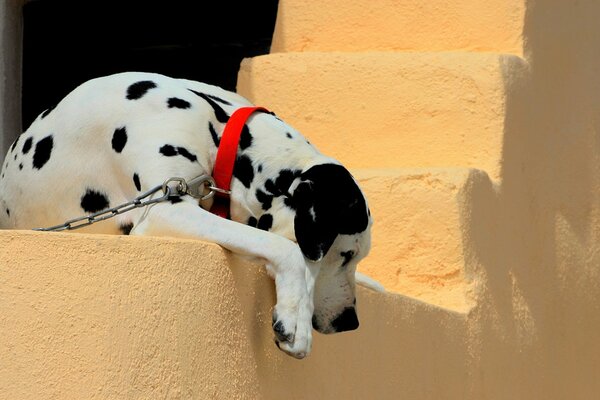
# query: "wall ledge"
84,316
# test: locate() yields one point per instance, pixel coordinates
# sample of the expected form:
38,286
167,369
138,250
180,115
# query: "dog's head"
333,229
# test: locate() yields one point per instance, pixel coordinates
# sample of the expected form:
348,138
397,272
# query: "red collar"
226,155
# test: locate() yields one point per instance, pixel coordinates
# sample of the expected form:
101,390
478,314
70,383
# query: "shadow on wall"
537,239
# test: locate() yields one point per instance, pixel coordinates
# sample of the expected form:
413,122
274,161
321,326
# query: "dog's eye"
347,256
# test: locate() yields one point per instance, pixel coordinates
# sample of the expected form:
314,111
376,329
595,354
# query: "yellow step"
415,25
380,110
421,231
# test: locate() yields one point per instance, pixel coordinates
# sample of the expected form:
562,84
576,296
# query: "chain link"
195,188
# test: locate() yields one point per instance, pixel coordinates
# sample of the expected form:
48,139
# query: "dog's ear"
328,202
315,229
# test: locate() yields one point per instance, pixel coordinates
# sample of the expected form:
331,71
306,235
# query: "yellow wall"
481,162
487,221
389,109
399,25
146,318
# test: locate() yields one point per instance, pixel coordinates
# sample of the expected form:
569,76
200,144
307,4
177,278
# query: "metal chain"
195,188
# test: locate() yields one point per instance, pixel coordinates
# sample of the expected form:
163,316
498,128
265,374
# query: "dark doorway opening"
66,43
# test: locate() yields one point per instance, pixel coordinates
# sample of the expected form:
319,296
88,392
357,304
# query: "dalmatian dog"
292,208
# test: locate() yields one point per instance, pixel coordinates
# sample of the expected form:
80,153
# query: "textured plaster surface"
515,242
389,109
106,317
417,234
400,25
100,316
527,234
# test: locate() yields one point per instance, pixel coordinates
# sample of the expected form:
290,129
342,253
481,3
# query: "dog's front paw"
293,335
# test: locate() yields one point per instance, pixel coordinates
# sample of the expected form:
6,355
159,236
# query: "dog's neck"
267,172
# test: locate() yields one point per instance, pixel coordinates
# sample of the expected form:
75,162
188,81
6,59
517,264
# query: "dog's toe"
287,349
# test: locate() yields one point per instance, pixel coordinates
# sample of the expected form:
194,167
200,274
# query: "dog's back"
114,137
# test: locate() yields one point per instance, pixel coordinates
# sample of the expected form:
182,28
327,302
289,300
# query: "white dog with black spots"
296,210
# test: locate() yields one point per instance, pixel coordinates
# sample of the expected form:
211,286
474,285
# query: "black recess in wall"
66,43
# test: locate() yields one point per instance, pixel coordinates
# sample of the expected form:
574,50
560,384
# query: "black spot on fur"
265,199
281,184
174,199
15,157
175,102
213,134
265,222
27,145
136,182
259,169
271,188
289,135
211,96
245,138
252,222
42,152
348,255
8,212
119,139
279,331
139,89
182,151
289,201
168,150
93,201
126,228
20,166
218,99
12,148
243,170
220,114
46,112
273,114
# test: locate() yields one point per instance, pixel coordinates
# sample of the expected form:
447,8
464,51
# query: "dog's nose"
346,321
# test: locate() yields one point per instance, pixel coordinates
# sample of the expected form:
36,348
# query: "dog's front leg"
292,315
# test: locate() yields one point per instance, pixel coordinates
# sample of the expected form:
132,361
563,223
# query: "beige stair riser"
381,110
418,246
400,25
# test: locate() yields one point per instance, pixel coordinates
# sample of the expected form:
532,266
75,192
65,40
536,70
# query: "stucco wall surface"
400,25
447,108
501,262
528,234
418,231
87,317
